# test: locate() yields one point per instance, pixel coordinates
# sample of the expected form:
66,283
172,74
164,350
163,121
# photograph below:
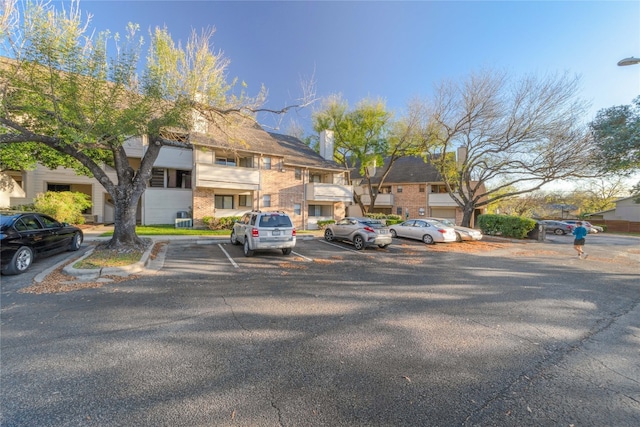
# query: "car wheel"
234,238
286,251
427,239
358,242
247,249
558,232
20,262
383,246
76,242
328,235
394,234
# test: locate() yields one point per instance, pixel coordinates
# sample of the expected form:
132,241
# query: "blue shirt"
580,232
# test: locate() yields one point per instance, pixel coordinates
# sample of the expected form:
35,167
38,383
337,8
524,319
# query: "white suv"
258,231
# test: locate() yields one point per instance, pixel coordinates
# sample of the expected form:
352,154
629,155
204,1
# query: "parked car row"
27,235
364,232
567,226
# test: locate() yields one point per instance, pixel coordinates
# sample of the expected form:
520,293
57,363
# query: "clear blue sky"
398,50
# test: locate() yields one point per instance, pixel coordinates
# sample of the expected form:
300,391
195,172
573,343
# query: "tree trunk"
467,214
124,232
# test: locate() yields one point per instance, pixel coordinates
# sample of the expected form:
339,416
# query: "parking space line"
228,256
342,247
302,256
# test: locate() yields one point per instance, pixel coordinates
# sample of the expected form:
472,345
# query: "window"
297,209
320,210
224,202
266,201
315,178
246,162
58,187
244,200
440,188
385,190
421,188
399,189
298,173
49,223
225,161
157,178
266,162
399,211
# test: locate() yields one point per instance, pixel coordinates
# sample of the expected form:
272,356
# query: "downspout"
304,200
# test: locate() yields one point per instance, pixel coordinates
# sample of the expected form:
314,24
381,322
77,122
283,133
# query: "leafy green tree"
71,97
366,136
616,131
514,135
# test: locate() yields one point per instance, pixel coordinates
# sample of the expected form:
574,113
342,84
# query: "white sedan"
422,229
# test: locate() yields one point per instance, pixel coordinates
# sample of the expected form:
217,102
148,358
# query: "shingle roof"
249,137
404,170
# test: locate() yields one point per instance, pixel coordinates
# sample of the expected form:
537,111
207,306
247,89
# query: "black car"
27,235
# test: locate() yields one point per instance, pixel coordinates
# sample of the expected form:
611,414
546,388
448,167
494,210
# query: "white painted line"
342,247
301,256
228,256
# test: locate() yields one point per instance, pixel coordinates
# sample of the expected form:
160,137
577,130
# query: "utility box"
538,232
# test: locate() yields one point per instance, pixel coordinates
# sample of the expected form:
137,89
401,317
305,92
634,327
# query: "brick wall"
411,198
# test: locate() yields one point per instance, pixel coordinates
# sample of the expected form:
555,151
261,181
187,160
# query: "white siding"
161,205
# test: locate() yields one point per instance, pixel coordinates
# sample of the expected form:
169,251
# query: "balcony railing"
218,176
383,199
441,199
321,192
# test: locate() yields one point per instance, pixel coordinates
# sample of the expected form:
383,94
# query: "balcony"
219,176
320,192
383,199
441,199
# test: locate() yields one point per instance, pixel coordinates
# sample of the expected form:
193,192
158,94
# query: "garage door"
447,213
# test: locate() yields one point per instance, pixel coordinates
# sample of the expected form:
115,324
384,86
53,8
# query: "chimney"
462,156
326,144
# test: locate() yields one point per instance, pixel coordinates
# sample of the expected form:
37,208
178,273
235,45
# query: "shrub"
323,223
223,223
505,225
64,206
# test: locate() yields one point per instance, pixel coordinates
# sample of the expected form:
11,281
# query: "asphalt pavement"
515,335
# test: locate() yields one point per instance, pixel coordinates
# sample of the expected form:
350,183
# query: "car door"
404,229
419,229
343,227
33,233
241,227
57,239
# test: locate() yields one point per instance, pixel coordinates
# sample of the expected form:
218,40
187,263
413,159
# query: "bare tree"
514,135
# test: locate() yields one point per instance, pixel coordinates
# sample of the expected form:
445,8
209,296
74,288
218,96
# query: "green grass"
170,230
108,258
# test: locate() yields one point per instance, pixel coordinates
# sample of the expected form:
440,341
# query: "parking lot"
495,333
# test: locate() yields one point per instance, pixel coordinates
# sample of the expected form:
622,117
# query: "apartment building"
413,188
225,172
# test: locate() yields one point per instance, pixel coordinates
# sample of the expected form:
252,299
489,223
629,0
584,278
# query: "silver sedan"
421,229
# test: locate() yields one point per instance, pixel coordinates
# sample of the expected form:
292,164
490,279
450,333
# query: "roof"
404,170
241,134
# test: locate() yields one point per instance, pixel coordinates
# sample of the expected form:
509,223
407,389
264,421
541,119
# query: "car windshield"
6,221
275,221
446,222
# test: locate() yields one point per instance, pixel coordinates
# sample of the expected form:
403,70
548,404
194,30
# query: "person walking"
580,234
